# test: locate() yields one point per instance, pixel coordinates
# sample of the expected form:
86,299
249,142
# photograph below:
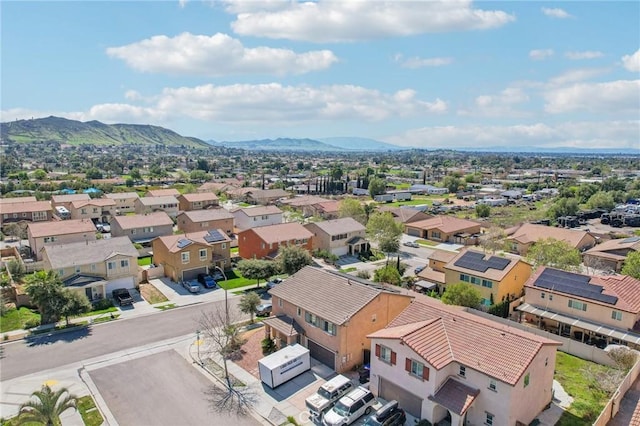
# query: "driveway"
159,389
181,296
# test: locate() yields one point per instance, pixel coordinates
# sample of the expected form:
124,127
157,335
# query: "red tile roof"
281,232
530,233
62,227
143,220
200,196
33,206
162,192
446,224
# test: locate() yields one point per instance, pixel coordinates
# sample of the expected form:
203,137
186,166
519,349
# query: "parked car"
418,269
350,408
274,282
103,227
327,395
412,244
217,275
264,309
389,414
122,296
192,286
207,281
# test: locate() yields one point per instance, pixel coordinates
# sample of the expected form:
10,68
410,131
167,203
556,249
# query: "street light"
226,301
198,345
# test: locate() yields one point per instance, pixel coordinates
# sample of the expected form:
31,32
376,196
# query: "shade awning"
284,324
425,284
603,330
455,396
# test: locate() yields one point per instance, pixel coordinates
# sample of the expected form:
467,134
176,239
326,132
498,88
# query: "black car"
388,415
122,296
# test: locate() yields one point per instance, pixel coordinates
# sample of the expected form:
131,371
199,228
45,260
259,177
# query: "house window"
264,246
526,380
95,210
493,385
223,246
204,224
133,232
385,354
575,304
616,315
39,216
463,371
310,318
489,419
542,295
203,254
60,272
280,302
487,283
124,263
436,235
111,266
298,311
485,302
49,239
464,277
77,269
329,327
551,297
185,257
83,211
416,369
93,267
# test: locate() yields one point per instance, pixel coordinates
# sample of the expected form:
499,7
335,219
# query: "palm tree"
47,406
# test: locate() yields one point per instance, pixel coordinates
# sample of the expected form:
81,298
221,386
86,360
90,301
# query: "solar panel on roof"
183,243
573,284
631,240
500,263
214,236
475,261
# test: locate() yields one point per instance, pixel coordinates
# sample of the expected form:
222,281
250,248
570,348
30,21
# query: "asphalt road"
166,390
46,352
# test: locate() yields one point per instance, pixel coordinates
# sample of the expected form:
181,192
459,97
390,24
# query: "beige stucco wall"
172,262
37,244
186,225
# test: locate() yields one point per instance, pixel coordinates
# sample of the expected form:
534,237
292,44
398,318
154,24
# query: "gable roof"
406,215
26,207
328,206
101,202
142,220
172,242
163,192
122,195
448,334
339,226
530,233
88,252
305,200
258,194
206,215
259,211
445,224
62,227
199,196
154,201
625,244
67,198
17,200
474,262
281,232
332,296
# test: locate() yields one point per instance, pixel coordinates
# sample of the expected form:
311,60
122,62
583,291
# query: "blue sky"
456,74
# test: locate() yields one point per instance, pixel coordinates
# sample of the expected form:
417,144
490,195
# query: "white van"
327,395
350,408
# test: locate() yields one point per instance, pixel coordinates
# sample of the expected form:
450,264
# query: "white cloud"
502,104
417,62
613,97
182,3
632,62
216,55
540,54
588,54
556,13
339,21
602,134
576,75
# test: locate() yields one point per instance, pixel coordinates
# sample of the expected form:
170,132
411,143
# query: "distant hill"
93,133
360,144
280,144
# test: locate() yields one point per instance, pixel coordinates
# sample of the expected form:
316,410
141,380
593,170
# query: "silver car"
192,285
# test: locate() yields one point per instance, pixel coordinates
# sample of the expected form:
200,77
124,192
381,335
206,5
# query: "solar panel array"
574,284
183,243
631,240
476,262
213,236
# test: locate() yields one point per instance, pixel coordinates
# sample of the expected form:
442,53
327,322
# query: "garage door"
119,283
411,403
414,232
340,251
192,274
322,354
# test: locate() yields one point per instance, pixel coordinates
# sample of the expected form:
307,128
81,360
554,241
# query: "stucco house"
125,202
432,277
197,201
142,228
32,211
204,220
265,196
522,237
59,232
598,310
326,209
442,363
445,229
345,236
496,277
331,314
97,209
167,204
405,215
65,200
184,256
610,255
265,241
167,192
94,268
253,217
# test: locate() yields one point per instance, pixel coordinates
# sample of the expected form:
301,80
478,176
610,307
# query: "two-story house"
265,196
331,314
185,256
598,310
265,241
496,277
65,200
197,201
167,192
442,363
31,211
610,255
95,268
406,215
326,209
521,238
204,220
59,232
142,228
257,216
345,236
432,277
97,209
445,229
167,204
125,202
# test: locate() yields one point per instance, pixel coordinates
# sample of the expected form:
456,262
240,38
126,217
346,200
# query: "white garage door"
119,283
414,232
340,251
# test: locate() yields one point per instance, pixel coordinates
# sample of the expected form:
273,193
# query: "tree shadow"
65,335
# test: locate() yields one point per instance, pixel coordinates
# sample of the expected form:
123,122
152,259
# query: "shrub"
423,422
17,269
102,304
268,346
363,274
31,323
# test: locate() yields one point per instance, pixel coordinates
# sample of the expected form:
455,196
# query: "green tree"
293,258
257,269
248,303
483,210
601,200
453,183
46,406
377,186
387,274
384,230
563,207
350,207
462,294
75,304
47,292
632,265
554,253
135,174
39,174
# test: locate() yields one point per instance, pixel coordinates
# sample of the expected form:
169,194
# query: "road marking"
50,382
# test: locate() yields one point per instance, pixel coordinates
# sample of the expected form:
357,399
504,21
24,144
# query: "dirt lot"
251,351
151,294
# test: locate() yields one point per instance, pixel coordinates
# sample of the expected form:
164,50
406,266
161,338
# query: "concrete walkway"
561,401
628,405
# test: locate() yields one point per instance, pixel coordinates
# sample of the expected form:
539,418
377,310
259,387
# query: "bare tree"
493,240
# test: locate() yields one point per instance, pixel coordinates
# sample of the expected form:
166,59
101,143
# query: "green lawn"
347,270
165,307
588,399
426,242
144,261
235,280
89,412
235,250
15,319
100,311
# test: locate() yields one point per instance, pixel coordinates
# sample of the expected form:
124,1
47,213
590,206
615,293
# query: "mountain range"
338,144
